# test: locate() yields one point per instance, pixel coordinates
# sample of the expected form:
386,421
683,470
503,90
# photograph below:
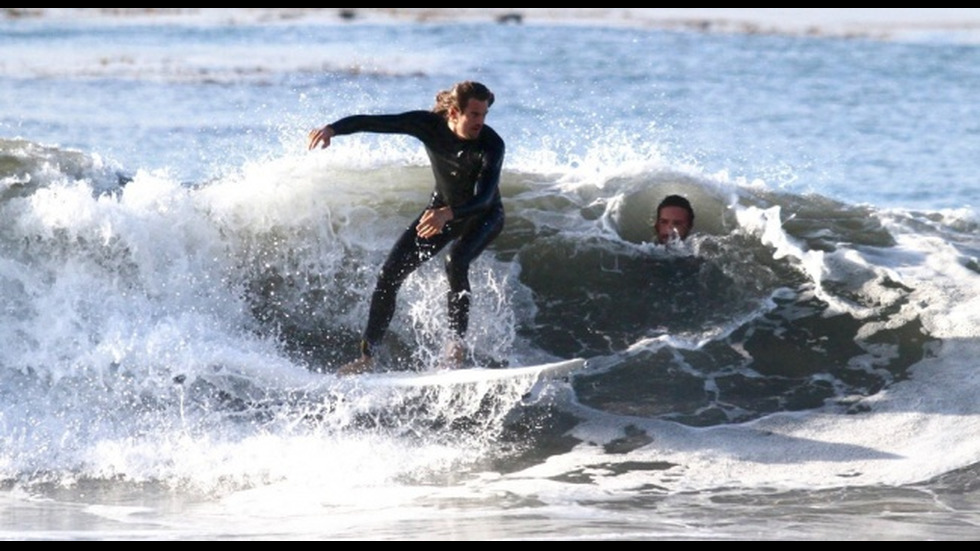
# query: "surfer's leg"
405,257
472,242
408,253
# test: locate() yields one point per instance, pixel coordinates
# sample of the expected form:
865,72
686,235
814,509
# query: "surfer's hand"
433,221
320,137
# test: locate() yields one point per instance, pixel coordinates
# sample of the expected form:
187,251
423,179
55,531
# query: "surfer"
465,208
675,219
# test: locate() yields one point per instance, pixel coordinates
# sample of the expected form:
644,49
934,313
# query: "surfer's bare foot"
356,367
455,353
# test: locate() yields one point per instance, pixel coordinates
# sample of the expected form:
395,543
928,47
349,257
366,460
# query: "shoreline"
877,23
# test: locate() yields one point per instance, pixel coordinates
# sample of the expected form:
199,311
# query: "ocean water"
179,277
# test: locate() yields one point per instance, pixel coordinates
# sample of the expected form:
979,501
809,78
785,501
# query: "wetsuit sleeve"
413,123
486,187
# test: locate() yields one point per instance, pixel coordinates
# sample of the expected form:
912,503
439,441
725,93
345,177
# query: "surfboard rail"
474,375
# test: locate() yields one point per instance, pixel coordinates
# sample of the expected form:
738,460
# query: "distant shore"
879,23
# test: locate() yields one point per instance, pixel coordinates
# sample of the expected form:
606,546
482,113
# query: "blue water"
179,277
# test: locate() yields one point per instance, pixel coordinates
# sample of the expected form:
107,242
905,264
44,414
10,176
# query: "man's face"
468,124
672,221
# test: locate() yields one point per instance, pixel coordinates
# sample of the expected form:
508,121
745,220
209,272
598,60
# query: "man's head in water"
675,217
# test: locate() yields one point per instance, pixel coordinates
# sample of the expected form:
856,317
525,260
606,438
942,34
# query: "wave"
140,307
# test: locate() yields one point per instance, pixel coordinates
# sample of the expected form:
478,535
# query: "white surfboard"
473,375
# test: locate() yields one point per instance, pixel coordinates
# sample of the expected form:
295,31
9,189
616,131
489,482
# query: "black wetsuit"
467,178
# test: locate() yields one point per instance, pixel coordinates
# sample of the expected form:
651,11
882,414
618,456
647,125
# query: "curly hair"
459,95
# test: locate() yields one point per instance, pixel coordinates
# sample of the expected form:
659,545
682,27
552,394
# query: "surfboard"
473,375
